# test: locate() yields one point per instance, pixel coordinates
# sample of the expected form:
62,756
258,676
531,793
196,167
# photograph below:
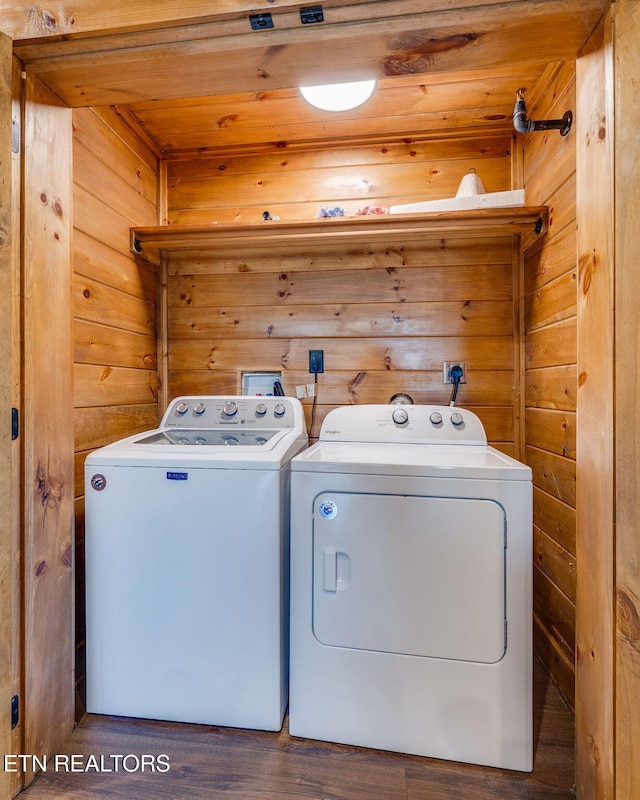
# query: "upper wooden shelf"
151,243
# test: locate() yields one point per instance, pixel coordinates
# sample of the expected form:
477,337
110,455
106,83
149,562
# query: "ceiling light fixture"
338,96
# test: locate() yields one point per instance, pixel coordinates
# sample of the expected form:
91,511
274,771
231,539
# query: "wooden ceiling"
464,103
209,81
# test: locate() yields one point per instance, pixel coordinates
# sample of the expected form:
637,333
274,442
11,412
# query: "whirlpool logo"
328,509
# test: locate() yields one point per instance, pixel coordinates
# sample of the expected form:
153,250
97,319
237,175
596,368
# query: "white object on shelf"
510,199
470,184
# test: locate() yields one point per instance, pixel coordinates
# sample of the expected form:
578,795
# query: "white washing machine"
411,607
187,564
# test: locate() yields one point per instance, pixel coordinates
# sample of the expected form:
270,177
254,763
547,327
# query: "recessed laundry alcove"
185,130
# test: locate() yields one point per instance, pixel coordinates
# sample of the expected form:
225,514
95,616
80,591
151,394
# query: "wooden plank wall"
386,317
114,300
550,362
293,182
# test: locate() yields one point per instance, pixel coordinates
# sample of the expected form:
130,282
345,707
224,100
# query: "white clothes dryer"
187,532
411,606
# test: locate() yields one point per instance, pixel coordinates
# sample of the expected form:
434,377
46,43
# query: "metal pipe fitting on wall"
524,125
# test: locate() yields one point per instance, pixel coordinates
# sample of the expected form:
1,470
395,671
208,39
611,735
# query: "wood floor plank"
229,764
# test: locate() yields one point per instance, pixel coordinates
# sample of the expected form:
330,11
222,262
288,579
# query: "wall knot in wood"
354,385
628,617
49,490
587,266
411,58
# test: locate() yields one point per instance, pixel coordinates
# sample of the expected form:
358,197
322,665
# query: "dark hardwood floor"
209,762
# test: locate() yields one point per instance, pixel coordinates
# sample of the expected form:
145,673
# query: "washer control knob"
199,408
457,419
279,410
435,417
400,416
261,409
230,408
182,409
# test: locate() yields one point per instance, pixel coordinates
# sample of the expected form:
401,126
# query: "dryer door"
421,576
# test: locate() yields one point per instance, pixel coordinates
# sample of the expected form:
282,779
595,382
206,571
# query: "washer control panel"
250,411
405,423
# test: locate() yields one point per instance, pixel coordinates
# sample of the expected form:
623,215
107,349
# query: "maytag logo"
177,476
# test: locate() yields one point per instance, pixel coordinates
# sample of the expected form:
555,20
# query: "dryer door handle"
330,569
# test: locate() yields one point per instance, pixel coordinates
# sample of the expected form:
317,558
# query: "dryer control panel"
204,412
413,424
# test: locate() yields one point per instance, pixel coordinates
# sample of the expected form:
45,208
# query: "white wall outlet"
446,371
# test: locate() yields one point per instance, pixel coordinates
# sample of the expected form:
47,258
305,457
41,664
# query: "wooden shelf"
151,243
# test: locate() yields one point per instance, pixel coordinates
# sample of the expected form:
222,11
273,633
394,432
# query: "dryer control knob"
400,416
230,408
199,408
279,410
182,409
435,417
457,419
261,409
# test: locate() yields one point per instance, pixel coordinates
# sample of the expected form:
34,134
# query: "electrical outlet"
446,371
316,361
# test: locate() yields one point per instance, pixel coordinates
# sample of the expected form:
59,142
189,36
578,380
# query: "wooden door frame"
47,443
11,736
626,171
596,467
36,458
608,607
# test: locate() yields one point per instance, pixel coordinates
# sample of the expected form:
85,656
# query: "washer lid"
194,437
427,460
156,449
